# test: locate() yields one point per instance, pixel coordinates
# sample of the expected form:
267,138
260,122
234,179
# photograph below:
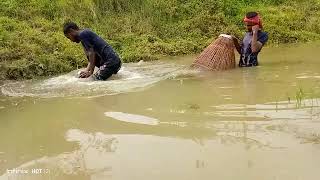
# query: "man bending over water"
252,42
99,53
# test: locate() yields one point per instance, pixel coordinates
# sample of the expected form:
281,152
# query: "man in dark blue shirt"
252,42
99,53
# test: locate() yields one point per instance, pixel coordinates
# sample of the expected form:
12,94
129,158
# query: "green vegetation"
32,43
300,96
306,97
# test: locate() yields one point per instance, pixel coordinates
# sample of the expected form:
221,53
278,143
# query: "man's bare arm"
255,44
90,67
92,60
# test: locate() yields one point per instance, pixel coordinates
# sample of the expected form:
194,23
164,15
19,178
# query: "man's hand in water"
85,74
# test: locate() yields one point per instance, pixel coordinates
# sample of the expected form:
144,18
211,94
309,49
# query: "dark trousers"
106,71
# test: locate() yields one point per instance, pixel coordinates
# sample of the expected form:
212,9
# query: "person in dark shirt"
253,40
99,53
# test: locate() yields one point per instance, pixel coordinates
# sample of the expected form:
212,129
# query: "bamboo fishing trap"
219,55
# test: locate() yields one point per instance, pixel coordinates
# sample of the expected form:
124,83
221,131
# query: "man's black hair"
251,14
68,26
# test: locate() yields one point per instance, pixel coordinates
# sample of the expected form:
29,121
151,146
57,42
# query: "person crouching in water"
252,42
99,53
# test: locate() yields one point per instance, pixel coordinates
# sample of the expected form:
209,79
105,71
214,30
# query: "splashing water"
132,77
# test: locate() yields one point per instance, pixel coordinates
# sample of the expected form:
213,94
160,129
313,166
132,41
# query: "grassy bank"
32,43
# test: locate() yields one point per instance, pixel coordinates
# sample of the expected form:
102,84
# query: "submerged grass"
300,96
306,97
32,43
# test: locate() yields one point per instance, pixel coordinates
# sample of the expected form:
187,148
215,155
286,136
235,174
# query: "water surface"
161,120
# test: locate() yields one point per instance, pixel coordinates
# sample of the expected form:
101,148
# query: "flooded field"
161,120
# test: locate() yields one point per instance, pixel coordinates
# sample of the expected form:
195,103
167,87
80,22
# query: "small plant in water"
193,106
300,95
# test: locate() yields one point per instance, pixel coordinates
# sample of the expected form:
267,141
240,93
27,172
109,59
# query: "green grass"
32,43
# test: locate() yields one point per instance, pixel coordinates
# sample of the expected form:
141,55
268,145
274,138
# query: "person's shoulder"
263,37
246,34
86,33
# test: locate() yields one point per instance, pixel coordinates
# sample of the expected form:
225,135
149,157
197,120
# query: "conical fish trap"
219,55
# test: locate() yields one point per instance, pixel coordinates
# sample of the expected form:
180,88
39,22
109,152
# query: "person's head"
252,19
71,31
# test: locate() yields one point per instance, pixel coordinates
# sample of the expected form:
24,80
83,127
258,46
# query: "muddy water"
161,120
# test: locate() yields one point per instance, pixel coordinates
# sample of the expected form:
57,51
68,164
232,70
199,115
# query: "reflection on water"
271,111
93,159
132,118
252,148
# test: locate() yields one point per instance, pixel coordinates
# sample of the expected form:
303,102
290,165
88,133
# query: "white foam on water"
132,77
132,118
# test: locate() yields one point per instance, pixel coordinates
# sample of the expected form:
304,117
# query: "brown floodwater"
161,120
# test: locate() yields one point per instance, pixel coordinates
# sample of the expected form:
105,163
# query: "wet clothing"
106,71
107,59
247,58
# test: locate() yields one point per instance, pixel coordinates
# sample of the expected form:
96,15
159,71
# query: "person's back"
105,53
98,52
